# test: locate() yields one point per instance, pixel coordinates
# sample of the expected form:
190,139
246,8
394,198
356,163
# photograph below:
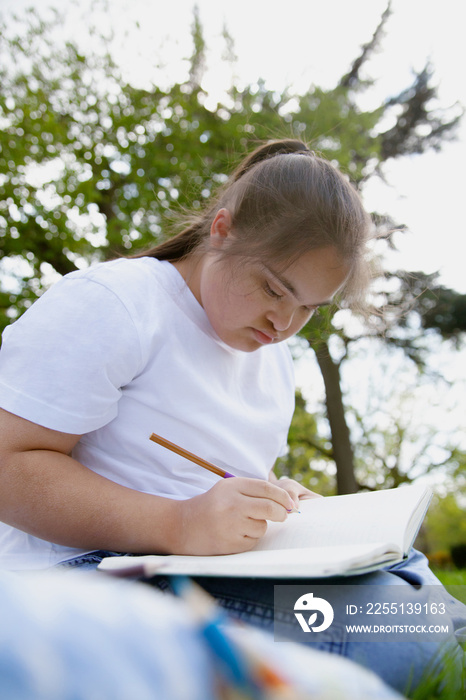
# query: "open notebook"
337,535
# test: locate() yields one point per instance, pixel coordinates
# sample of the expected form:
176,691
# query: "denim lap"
87,562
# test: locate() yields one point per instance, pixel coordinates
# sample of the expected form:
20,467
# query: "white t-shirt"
122,350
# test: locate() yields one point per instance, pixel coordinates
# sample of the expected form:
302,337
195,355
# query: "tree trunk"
342,448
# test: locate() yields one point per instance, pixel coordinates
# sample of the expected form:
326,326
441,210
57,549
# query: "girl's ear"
221,228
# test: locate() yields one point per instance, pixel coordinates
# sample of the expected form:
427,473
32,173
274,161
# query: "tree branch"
353,76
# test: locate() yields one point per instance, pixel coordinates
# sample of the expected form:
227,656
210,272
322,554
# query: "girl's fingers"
261,489
296,491
263,509
256,528
245,499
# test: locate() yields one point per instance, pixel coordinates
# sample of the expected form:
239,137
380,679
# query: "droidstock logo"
308,603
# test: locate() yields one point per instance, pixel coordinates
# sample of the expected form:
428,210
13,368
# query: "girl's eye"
312,309
271,292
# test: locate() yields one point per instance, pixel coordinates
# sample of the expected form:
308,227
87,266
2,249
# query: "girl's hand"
295,490
230,517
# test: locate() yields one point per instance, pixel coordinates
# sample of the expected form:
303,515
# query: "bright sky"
305,42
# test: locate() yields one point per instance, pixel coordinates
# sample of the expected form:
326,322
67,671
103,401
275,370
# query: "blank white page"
378,516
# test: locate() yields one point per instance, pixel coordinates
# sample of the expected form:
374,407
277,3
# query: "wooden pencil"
197,460
189,455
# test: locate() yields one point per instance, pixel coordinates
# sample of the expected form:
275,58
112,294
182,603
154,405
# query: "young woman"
185,341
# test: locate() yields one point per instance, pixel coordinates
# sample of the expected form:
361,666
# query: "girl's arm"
52,496
48,494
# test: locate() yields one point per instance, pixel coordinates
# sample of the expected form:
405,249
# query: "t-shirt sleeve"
64,363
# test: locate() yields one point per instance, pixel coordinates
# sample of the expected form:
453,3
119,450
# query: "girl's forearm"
52,496
45,492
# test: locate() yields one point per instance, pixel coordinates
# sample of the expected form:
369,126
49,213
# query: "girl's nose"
281,319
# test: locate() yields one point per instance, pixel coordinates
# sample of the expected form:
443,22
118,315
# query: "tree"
94,167
417,128
438,308
306,446
401,421
388,442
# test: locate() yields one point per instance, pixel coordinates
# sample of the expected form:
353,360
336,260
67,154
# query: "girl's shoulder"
124,275
140,284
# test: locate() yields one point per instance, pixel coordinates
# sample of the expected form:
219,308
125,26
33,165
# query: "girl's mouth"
263,338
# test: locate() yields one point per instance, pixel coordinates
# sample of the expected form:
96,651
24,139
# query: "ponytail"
177,247
268,150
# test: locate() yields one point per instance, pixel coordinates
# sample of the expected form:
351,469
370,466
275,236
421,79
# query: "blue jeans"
400,664
87,562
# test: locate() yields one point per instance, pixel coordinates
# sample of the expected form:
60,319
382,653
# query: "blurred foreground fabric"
86,636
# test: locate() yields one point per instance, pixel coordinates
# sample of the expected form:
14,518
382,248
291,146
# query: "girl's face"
250,304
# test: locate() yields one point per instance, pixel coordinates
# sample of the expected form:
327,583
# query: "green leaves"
93,167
